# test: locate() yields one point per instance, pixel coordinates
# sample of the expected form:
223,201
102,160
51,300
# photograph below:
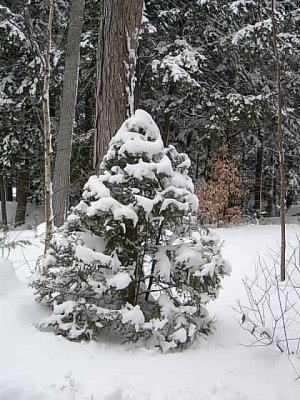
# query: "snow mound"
8,279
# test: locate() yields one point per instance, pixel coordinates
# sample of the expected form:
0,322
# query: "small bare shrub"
272,310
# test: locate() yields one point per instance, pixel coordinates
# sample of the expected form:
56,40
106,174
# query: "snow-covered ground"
36,365
34,214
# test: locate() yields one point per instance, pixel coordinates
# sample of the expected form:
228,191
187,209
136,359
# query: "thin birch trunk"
61,176
280,140
47,130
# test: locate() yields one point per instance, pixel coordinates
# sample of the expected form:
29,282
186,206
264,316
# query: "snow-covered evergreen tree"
127,258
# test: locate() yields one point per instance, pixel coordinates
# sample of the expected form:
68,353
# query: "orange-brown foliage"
219,192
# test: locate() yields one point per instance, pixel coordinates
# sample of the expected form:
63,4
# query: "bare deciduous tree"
280,139
61,176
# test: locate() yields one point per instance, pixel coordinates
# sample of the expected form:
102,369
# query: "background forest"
205,71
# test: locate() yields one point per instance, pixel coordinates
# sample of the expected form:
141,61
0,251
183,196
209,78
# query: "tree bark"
47,131
88,109
137,86
61,176
3,201
280,141
23,183
116,60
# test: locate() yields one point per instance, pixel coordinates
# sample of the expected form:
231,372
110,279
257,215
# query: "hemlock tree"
127,259
116,60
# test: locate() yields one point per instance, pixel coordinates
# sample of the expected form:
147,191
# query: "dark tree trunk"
289,199
23,183
116,61
61,176
167,117
9,191
259,175
88,109
166,128
271,194
3,200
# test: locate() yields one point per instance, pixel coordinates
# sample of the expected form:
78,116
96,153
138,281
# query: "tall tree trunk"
259,175
280,139
3,201
116,60
167,117
271,197
166,127
23,183
47,130
61,176
88,109
9,191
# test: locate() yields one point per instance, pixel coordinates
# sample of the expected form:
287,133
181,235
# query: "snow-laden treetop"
138,172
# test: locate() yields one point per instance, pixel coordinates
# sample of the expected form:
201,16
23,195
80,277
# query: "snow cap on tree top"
138,135
143,123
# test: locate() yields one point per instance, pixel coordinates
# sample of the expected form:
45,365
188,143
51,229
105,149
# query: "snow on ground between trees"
39,365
